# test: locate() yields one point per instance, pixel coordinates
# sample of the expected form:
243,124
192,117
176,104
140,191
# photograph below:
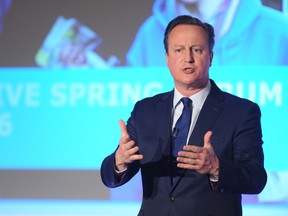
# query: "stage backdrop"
70,69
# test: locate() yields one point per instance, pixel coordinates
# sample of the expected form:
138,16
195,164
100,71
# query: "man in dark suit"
210,172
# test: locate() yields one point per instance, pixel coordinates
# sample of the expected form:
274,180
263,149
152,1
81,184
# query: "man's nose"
189,56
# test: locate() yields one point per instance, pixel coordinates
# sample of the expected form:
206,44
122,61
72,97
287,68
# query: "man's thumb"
123,128
207,137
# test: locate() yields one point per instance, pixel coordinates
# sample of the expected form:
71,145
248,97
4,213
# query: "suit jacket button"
172,198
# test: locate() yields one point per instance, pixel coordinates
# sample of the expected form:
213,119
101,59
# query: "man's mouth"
189,70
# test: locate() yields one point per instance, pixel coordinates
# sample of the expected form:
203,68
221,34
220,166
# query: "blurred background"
70,69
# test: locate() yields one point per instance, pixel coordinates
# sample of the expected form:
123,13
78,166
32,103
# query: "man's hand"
201,159
127,151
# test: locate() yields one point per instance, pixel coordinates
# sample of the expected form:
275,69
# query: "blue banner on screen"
68,119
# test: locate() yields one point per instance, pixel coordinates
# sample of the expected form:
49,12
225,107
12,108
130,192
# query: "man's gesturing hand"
127,151
201,159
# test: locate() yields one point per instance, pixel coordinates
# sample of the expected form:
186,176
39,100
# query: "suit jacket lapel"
212,107
163,113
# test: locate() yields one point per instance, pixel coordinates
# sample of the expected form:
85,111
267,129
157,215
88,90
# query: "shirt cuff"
213,178
120,172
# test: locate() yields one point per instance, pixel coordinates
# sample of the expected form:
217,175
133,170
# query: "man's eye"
197,50
178,50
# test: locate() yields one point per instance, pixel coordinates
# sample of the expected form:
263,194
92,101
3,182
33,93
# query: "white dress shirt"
198,100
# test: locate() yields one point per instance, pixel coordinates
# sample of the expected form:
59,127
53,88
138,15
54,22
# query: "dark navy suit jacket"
236,139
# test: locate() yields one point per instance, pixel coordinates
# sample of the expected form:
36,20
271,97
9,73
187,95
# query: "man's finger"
123,128
136,157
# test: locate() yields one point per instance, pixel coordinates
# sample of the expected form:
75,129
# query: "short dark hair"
189,20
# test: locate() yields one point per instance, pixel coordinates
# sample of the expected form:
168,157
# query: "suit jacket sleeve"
113,179
245,173
108,174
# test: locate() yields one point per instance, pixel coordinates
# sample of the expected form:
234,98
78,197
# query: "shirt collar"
198,98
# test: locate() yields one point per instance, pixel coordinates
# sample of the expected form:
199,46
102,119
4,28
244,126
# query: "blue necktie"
181,129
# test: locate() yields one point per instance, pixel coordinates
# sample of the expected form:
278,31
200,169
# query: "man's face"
188,57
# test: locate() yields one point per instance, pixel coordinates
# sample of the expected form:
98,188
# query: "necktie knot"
187,102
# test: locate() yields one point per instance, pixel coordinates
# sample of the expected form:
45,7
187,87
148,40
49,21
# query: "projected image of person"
198,148
4,8
247,32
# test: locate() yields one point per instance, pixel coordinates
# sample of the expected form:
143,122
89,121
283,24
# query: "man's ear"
166,57
211,57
